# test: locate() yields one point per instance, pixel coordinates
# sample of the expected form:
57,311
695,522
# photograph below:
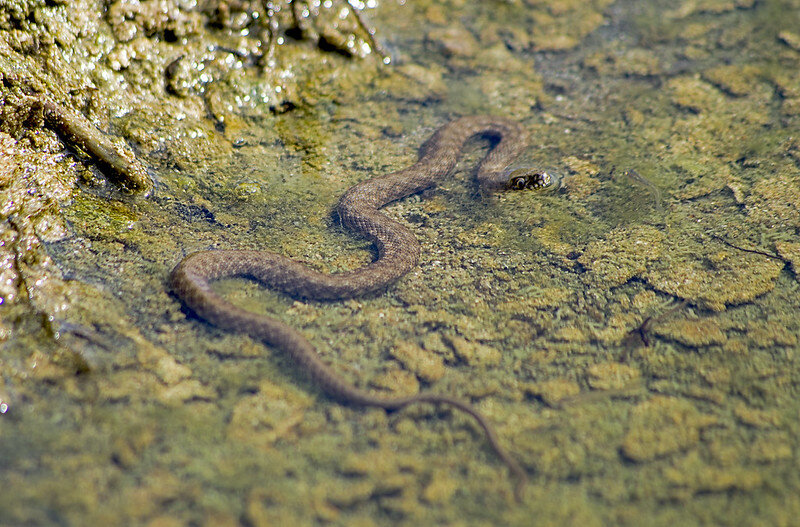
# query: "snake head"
531,178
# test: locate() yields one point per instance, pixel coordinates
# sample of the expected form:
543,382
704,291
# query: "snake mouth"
531,178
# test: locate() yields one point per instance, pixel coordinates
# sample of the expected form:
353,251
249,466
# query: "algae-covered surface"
632,334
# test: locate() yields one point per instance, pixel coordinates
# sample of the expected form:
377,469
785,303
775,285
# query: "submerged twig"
643,328
324,35
753,251
117,162
370,31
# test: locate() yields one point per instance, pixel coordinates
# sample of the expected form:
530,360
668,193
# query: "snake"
397,253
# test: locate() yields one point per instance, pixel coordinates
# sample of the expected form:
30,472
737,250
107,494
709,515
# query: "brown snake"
398,253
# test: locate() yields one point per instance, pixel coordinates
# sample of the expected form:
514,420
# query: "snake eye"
518,183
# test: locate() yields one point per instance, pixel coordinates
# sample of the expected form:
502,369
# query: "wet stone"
736,346
552,392
404,505
791,107
577,165
474,353
440,489
164,520
273,413
563,25
350,493
691,7
644,299
128,450
571,334
163,365
184,391
214,518
127,385
662,426
736,80
555,42
772,447
435,343
582,184
694,94
717,376
755,417
703,393
425,365
396,381
790,251
455,41
637,61
617,327
790,38
266,507
379,462
612,376
416,83
692,332
726,278
776,199
31,185
622,254
528,304
42,367
767,334
498,57
696,476
787,83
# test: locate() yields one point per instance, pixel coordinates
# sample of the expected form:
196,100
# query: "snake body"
398,253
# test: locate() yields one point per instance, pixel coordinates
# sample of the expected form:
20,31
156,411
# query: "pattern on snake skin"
398,253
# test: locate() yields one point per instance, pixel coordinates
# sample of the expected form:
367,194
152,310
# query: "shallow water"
633,339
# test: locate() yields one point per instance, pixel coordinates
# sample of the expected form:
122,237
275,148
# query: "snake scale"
398,253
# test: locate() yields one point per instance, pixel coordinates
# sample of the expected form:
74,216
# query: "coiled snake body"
398,253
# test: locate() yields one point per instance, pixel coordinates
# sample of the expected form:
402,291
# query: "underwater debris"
116,160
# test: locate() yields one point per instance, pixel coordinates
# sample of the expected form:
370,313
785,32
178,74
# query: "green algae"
123,409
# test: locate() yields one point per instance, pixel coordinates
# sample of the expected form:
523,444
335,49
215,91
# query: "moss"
694,333
662,426
730,280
